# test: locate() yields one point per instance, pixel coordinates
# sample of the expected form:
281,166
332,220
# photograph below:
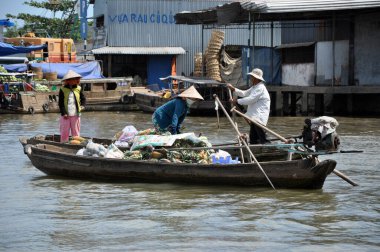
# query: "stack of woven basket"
212,55
198,64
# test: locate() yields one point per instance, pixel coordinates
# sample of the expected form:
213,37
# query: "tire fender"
31,110
45,107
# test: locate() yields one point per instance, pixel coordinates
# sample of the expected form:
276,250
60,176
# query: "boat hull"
58,161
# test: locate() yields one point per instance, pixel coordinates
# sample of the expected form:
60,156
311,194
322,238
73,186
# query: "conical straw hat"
71,75
191,93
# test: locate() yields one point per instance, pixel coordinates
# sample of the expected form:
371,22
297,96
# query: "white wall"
301,74
324,62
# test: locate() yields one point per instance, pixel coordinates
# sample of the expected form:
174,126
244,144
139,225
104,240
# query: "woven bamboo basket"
38,75
50,76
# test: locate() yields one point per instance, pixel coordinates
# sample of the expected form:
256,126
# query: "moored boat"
307,173
107,94
148,100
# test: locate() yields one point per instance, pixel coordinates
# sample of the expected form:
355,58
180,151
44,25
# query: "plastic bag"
114,152
128,133
81,152
223,157
95,149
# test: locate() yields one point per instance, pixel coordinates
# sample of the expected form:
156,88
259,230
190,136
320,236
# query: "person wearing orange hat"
71,102
170,116
257,100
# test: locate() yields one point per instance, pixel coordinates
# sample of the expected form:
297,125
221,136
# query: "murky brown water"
39,213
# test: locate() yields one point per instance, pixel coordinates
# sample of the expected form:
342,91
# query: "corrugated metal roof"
140,50
265,10
279,6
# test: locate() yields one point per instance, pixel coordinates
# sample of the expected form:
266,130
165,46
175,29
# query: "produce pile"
77,140
6,78
182,153
185,155
41,88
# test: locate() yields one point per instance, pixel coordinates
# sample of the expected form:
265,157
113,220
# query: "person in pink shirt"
71,102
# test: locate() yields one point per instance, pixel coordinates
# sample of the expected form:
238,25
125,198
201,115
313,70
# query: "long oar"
245,144
234,119
259,124
335,171
231,97
217,114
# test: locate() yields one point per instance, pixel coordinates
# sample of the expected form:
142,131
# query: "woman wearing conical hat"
170,116
71,102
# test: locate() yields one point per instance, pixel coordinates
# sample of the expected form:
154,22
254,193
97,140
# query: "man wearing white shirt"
257,100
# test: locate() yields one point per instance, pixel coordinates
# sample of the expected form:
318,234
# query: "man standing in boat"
170,116
257,100
71,102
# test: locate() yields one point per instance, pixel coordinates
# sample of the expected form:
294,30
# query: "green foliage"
65,26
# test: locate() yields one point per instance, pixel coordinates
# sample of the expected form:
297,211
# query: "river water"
40,213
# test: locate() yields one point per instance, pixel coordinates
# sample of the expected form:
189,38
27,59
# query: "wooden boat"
306,173
55,140
101,95
261,152
104,94
148,100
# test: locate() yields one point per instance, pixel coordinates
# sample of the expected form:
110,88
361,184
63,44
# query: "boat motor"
321,133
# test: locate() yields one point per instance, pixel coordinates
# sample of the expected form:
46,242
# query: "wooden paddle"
335,171
245,144
217,114
234,119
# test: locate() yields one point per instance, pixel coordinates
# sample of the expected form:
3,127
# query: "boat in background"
149,98
104,94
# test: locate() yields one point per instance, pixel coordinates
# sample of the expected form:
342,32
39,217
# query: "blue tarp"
8,49
6,22
263,60
88,70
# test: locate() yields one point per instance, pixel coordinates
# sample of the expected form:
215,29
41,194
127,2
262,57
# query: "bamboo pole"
259,125
234,119
245,144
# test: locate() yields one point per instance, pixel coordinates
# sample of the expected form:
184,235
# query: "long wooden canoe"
261,152
306,173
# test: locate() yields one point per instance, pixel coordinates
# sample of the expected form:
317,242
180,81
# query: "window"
100,21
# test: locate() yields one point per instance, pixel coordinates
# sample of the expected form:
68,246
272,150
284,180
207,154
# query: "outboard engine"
321,133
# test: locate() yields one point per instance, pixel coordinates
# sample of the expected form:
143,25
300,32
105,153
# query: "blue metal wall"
159,66
263,60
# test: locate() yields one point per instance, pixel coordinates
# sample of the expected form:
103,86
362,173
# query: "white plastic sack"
122,144
81,152
221,154
114,152
95,149
324,125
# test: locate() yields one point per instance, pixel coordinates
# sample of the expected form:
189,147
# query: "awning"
140,50
294,45
237,12
9,49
